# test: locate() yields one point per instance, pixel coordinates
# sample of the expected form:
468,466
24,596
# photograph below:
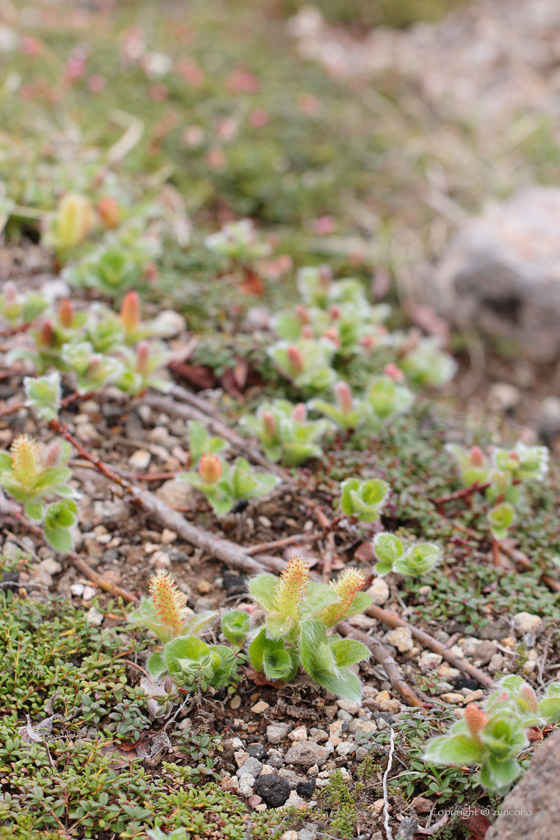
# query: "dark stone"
111,555
494,630
234,584
257,751
10,582
240,506
385,715
273,789
464,682
305,789
407,829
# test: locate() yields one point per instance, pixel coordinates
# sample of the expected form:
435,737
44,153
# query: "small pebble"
276,733
94,617
452,697
168,537
88,593
260,707
204,587
140,460
51,566
161,560
235,702
526,622
401,638
299,734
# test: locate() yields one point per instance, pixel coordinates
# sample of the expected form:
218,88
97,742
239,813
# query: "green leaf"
60,539
343,684
61,514
53,477
499,775
360,602
388,548
195,623
260,645
184,652
347,652
263,589
278,625
5,462
223,668
454,749
501,518
363,499
278,665
418,560
34,510
156,664
313,635
549,708
317,597
236,627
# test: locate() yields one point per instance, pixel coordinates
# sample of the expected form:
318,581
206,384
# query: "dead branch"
216,425
385,659
295,539
99,580
391,619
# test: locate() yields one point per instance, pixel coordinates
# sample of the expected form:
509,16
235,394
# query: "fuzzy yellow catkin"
26,461
346,586
167,600
291,587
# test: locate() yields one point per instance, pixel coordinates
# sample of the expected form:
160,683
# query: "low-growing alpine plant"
492,739
224,485
285,432
299,612
33,477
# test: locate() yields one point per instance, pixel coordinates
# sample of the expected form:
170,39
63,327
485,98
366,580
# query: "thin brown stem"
465,493
295,539
99,580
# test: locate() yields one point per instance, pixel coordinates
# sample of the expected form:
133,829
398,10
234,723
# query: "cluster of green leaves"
19,308
493,739
334,323
97,347
285,433
238,242
393,556
505,472
224,485
298,614
32,476
189,662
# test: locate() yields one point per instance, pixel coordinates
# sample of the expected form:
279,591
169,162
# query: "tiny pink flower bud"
335,313
527,693
332,335
269,424
66,313
343,396
47,337
393,372
514,455
130,313
368,342
93,369
295,359
477,457
325,277
10,292
307,332
210,468
303,313
475,719
143,358
299,414
52,458
109,212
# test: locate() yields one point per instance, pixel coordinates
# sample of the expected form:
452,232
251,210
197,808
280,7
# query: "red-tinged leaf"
380,284
240,372
200,376
427,319
534,734
261,679
230,386
365,553
252,284
477,823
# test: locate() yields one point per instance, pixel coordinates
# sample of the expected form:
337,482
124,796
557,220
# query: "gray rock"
293,778
175,493
361,725
308,753
502,273
276,733
252,767
531,809
484,652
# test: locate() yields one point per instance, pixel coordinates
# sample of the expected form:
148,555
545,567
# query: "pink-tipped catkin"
66,313
269,423
210,468
47,337
394,372
477,457
347,584
130,314
299,414
295,359
475,719
167,600
291,587
26,461
109,212
527,693
143,358
343,396
303,313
